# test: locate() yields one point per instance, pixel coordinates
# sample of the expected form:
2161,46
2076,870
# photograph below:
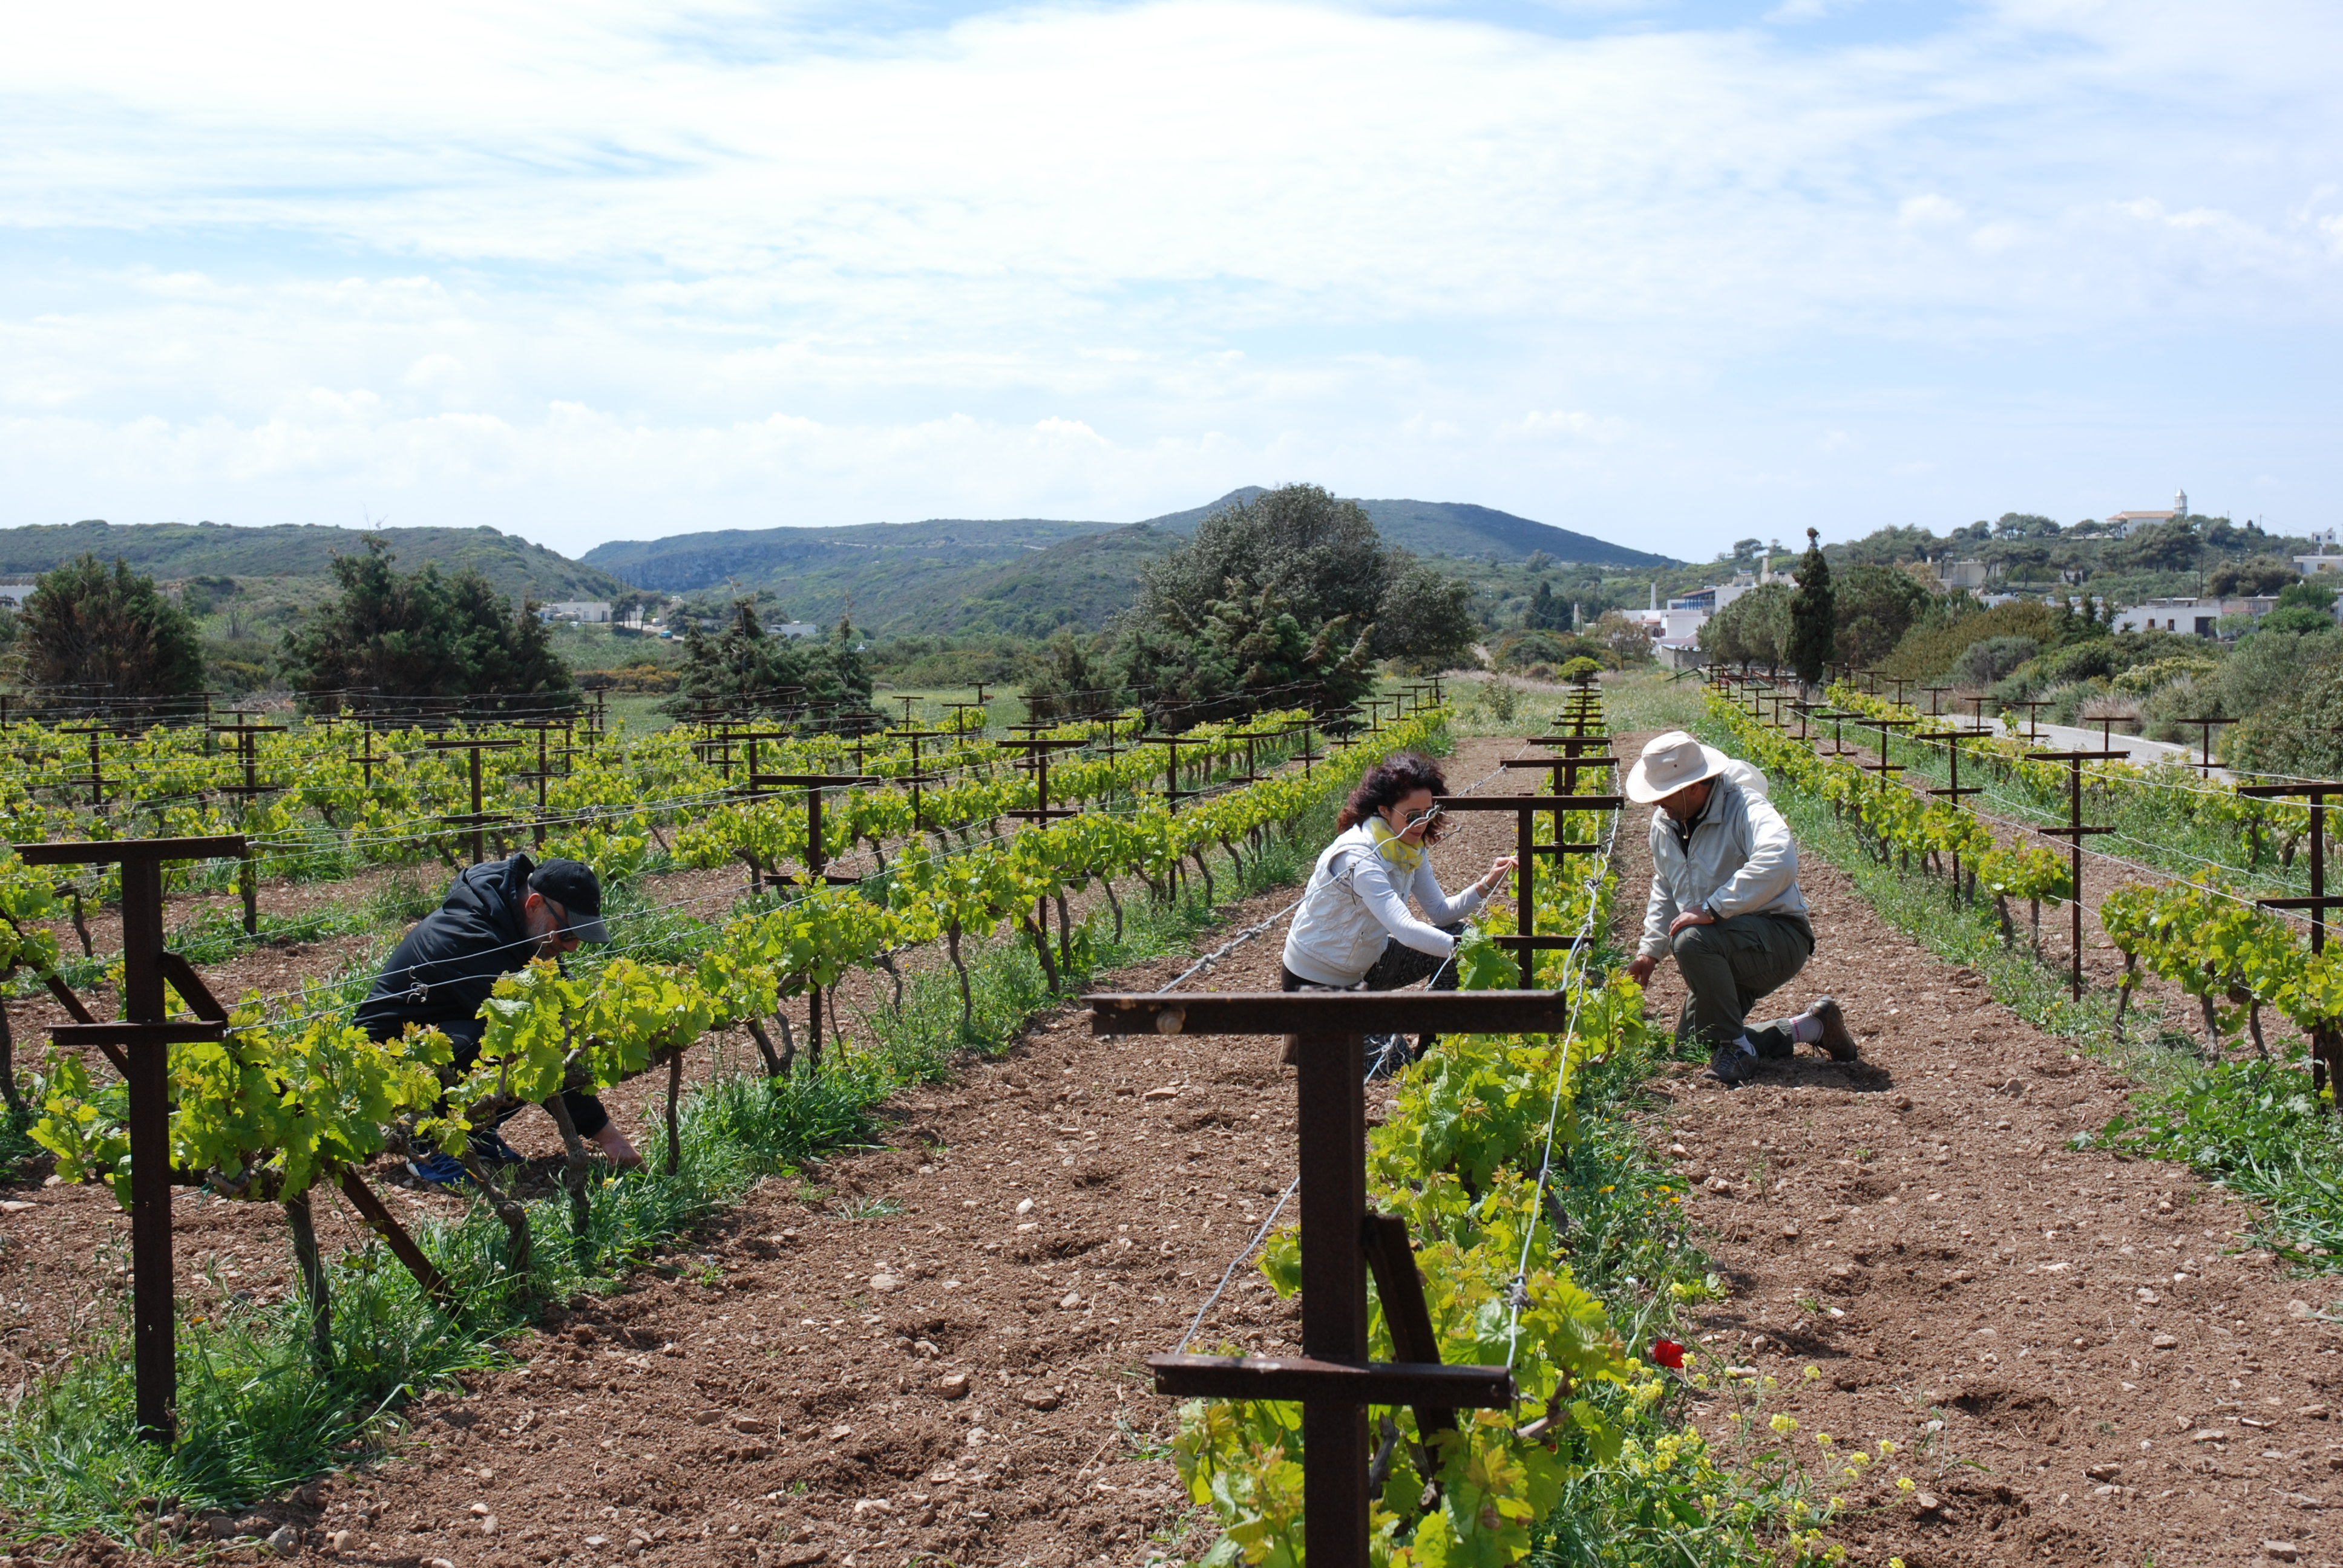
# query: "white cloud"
602,268
1929,211
1563,425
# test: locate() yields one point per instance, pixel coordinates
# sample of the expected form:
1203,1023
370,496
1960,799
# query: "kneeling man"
1725,902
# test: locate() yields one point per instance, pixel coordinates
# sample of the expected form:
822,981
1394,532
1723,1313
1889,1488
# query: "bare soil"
928,1350
2076,1357
2078,1360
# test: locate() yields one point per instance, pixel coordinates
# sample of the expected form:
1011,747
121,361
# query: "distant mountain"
1454,528
762,557
1025,576
174,551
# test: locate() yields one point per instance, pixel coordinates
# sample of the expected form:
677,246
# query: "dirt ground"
933,1351
2076,1359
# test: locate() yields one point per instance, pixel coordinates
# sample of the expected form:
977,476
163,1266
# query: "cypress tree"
1813,615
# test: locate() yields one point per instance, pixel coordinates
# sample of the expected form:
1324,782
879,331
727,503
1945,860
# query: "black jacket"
446,966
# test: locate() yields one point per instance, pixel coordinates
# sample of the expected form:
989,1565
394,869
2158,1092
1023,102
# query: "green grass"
258,1418
2253,1127
1631,1245
1653,697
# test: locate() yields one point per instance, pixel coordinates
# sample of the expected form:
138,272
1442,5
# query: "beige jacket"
1740,861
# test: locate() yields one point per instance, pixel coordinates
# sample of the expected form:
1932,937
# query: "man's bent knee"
1696,940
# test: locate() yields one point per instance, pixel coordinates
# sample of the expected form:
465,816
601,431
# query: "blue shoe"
439,1169
488,1147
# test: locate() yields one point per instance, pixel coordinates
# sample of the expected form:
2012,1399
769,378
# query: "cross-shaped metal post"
1955,791
141,1043
2319,903
2074,833
2206,725
1525,943
1886,728
1332,1377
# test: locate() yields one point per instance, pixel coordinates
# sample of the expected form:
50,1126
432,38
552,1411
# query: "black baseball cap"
573,886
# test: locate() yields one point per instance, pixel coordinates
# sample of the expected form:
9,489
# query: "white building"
2188,615
2123,525
2319,565
1950,575
2200,617
1676,629
591,611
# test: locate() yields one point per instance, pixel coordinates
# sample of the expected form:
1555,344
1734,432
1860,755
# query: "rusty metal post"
152,1330
1331,1120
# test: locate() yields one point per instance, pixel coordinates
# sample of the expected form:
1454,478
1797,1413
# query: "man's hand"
1697,916
616,1144
1640,967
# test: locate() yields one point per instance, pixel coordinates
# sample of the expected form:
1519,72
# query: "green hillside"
1027,575
1456,528
827,557
173,552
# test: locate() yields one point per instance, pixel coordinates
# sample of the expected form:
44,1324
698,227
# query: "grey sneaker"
1838,1041
1729,1064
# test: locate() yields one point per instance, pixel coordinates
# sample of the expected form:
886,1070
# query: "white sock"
1806,1029
1747,1048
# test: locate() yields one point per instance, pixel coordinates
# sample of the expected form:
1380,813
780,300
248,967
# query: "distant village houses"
1675,627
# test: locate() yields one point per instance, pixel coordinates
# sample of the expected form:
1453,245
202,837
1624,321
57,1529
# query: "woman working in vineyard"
1354,930
1725,903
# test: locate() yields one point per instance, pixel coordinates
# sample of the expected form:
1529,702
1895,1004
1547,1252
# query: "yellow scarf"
1407,857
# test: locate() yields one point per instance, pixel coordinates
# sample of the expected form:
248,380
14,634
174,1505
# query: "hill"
825,558
1025,576
1454,528
176,551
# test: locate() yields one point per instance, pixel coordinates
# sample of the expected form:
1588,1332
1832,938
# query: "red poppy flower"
1668,1353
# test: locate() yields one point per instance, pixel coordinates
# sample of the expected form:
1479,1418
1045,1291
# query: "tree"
2298,730
1244,652
1545,613
2024,526
635,602
1071,685
1629,641
88,629
2254,576
420,634
2307,593
2171,547
1755,628
1813,616
1874,605
1322,557
1212,609
1425,622
744,668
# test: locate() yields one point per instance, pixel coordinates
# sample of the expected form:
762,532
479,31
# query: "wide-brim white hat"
1669,762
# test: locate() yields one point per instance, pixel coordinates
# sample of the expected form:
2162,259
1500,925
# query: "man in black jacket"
495,918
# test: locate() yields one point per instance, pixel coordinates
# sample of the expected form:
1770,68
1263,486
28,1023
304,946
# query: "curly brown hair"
1387,783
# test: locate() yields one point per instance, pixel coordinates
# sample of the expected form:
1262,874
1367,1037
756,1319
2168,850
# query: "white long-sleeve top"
1741,860
1355,903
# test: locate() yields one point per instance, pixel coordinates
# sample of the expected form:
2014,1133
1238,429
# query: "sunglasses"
1421,818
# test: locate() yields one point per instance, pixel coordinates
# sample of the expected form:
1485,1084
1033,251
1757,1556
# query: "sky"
1669,272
